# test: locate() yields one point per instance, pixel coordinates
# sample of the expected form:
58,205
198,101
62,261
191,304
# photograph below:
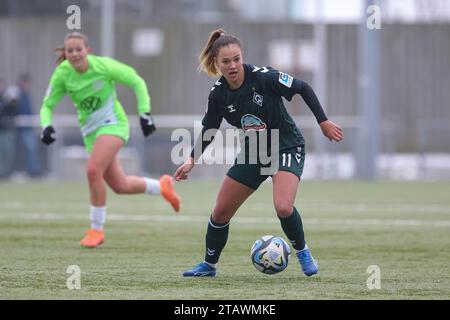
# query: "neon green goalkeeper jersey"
93,92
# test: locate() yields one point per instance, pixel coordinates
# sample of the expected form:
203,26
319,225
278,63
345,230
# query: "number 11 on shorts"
288,157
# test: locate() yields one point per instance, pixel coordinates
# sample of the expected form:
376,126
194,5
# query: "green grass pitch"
403,228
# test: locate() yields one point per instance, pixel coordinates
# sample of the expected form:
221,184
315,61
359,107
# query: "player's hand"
47,135
147,124
183,170
332,131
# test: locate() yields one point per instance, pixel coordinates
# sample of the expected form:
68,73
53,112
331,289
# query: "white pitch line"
243,220
322,207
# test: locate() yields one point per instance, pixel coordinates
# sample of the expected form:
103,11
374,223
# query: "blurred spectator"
26,134
8,108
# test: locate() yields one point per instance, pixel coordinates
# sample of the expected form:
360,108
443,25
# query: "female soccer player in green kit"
89,81
250,98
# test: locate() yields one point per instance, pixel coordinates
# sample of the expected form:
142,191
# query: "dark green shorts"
252,175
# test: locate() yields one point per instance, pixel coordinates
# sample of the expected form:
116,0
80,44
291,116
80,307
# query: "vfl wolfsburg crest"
252,122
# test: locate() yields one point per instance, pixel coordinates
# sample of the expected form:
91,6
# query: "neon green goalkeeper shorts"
121,130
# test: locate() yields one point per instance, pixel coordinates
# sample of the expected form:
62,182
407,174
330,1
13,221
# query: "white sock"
304,248
152,186
98,217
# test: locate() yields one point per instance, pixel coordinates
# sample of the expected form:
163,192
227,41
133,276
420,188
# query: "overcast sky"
345,10
350,10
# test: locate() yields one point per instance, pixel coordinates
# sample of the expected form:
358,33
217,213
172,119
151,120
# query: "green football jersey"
93,92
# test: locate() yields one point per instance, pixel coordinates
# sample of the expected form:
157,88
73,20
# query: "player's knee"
93,173
283,208
221,214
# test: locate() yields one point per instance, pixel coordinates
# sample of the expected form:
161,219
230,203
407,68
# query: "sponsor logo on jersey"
91,104
285,79
250,122
258,99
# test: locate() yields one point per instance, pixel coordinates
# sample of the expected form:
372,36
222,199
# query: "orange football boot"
168,192
93,238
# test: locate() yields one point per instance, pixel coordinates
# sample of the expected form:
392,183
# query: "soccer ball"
270,254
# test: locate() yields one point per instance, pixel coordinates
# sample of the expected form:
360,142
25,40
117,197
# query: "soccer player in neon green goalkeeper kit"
250,98
89,81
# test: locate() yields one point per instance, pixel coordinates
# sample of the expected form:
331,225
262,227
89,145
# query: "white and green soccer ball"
270,254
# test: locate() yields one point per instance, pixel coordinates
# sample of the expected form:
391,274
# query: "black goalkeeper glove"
147,124
47,135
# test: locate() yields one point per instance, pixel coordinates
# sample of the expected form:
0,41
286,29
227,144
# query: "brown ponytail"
61,50
217,39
